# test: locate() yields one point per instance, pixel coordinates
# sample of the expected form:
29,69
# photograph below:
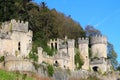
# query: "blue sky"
102,14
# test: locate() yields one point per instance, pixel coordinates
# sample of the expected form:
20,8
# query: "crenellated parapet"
14,25
71,43
83,40
20,26
98,39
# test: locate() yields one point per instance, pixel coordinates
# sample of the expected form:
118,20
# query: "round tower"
83,49
99,46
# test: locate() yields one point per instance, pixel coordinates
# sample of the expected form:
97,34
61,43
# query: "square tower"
83,49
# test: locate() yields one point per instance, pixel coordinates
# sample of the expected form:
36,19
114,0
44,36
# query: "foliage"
50,70
33,56
78,60
44,23
1,58
4,75
90,53
118,67
45,47
112,55
91,31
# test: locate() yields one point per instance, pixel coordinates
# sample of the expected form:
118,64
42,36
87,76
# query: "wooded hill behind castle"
47,24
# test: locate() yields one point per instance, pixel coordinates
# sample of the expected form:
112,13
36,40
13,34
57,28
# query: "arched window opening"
95,68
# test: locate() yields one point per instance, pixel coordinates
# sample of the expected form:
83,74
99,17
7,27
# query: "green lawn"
5,75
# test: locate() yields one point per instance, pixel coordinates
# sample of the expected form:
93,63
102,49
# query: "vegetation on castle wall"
90,53
45,47
1,58
78,60
50,70
33,56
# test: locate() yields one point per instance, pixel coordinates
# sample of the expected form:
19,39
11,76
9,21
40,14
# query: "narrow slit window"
19,46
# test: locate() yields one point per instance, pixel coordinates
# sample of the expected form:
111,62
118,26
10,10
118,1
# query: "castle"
16,44
15,38
97,45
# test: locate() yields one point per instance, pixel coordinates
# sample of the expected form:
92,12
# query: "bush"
50,70
78,60
45,47
1,58
33,56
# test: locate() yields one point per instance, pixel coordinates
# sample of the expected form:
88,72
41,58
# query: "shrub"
50,70
78,60
33,56
1,58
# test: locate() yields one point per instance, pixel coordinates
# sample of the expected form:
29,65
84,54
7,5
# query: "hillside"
44,22
5,75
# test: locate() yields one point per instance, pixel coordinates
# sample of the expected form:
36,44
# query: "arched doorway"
56,63
95,68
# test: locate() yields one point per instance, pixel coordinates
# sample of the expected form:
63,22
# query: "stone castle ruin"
16,44
97,45
15,38
65,53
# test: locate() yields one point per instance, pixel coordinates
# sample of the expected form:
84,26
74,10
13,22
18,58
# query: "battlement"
14,25
98,39
83,40
19,26
71,42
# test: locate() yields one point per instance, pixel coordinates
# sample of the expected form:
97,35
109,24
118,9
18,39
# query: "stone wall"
99,50
83,50
98,39
13,63
15,38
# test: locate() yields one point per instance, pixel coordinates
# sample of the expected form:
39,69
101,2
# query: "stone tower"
71,53
15,38
99,46
83,49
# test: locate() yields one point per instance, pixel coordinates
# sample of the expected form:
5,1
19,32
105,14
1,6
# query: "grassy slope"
4,75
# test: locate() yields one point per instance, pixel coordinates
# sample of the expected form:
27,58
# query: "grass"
5,75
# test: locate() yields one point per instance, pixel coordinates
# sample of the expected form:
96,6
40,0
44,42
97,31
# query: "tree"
91,31
118,67
112,55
